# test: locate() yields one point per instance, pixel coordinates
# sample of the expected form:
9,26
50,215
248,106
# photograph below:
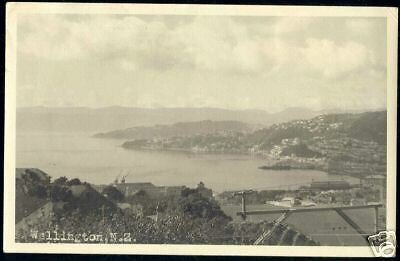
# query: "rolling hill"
178,129
84,119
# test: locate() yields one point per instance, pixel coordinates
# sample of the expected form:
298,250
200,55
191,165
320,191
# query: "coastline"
287,164
194,152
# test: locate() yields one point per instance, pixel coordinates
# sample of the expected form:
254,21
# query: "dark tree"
59,193
113,193
73,182
61,181
192,204
38,191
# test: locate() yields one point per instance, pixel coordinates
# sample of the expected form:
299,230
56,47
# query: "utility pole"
376,220
243,213
243,195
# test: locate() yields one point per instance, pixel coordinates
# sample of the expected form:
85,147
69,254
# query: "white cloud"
174,61
58,38
207,43
217,44
333,60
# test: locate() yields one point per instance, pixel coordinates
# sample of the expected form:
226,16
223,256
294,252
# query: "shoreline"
315,167
189,151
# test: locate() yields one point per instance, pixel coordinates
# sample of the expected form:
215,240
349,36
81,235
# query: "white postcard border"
13,9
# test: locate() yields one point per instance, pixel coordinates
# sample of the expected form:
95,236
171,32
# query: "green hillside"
177,129
370,126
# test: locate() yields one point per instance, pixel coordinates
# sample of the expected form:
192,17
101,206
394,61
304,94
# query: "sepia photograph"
211,130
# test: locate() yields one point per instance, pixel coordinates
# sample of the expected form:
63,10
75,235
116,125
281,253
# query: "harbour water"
99,161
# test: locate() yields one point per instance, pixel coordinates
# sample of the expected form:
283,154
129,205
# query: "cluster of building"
156,192
351,149
220,142
139,196
219,147
371,189
131,189
341,155
316,125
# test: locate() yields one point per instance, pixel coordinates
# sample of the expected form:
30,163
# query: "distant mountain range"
177,129
83,119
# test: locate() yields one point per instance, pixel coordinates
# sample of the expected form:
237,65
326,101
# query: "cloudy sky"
269,63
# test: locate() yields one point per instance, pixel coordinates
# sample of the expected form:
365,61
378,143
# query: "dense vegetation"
188,218
300,150
177,129
370,126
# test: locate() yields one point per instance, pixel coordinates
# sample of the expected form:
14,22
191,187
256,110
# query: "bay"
99,161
